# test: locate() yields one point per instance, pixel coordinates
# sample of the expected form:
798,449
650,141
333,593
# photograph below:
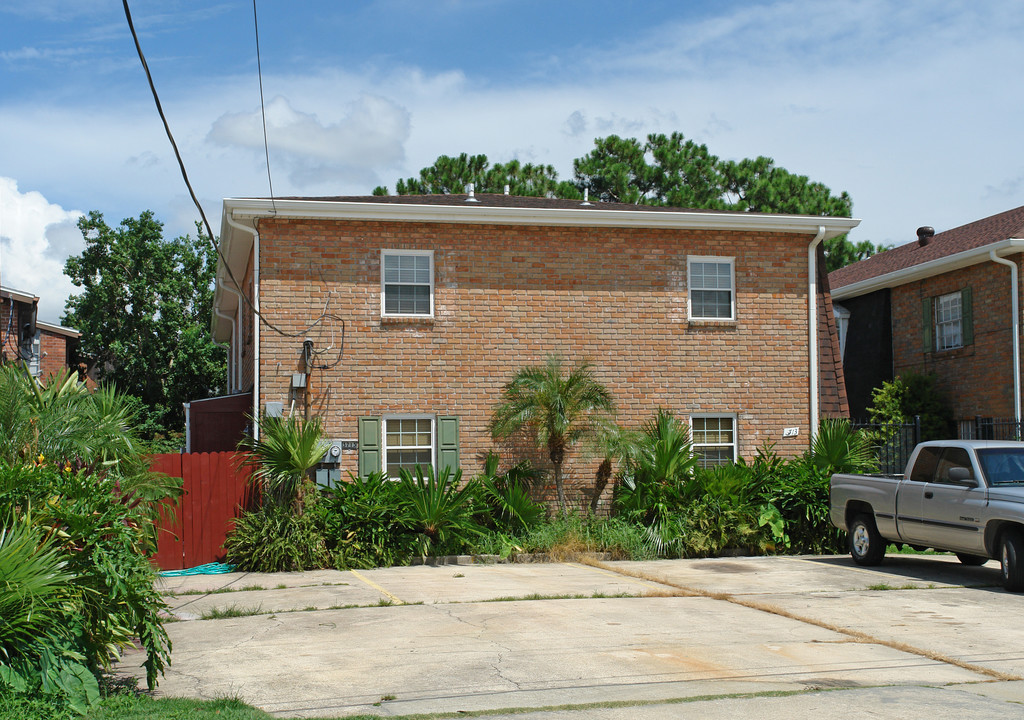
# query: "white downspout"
1015,312
234,337
255,320
812,303
236,361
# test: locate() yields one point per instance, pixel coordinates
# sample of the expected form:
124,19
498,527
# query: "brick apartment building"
47,348
397,320
948,304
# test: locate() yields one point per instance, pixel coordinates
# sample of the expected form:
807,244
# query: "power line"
184,174
263,107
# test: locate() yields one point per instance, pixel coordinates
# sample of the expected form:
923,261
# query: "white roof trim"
59,329
593,216
19,295
927,269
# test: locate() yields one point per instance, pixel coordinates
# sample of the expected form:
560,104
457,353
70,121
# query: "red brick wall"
506,297
979,376
54,349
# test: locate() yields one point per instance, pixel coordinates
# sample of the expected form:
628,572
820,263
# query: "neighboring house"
948,304
397,320
47,348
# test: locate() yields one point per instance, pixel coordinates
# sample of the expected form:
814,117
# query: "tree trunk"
559,488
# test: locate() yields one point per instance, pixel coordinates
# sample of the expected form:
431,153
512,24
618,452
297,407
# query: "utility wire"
263,107
184,174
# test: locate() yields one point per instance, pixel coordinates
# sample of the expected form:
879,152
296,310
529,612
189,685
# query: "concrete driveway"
919,637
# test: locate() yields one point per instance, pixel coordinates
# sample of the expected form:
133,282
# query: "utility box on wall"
328,471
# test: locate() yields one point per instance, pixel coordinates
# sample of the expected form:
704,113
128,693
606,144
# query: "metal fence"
893,442
987,428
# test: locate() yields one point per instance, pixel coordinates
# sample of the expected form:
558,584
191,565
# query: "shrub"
898,401
508,505
438,511
361,521
274,539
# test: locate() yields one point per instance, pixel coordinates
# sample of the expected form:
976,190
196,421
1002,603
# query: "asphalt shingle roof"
993,229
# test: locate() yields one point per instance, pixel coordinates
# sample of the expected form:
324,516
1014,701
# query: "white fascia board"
18,295
245,208
924,270
58,329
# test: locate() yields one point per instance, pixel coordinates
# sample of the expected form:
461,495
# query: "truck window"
951,458
924,466
1002,466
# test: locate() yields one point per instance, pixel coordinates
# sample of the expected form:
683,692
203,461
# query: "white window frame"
383,294
385,419
949,327
714,416
717,260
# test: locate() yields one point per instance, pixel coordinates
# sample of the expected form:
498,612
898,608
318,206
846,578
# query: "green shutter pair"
370,451
966,320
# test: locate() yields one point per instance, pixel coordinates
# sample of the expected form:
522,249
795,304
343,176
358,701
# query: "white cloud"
36,237
368,138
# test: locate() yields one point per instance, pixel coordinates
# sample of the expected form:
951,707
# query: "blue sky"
914,108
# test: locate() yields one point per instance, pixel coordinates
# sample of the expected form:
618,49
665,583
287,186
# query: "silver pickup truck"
964,496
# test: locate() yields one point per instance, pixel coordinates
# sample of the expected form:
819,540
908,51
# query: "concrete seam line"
378,588
854,634
636,581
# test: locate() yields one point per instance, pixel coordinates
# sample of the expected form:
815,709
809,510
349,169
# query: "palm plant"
438,509
285,452
507,494
838,448
560,409
659,468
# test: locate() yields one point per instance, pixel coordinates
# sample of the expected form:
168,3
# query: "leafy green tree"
559,407
450,175
662,170
144,313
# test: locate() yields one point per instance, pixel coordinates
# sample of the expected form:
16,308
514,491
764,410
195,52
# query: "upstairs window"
947,321
407,283
711,281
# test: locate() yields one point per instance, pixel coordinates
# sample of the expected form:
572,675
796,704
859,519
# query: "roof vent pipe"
586,197
506,189
469,192
924,234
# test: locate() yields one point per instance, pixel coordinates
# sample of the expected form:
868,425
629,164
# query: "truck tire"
1011,557
971,560
867,546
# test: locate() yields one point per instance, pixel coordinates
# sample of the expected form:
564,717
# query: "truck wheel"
971,560
1011,555
867,547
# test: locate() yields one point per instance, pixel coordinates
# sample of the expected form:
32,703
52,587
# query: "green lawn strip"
142,707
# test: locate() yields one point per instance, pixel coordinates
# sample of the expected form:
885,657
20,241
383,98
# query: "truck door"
910,496
952,511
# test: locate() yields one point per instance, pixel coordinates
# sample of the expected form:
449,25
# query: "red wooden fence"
215,490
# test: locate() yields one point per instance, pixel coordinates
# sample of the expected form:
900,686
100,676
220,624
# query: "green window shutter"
369,446
447,443
926,324
967,316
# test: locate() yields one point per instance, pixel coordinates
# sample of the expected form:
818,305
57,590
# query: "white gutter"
1015,313
927,269
812,302
583,216
255,319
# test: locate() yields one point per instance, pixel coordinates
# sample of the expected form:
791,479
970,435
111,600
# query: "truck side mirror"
962,476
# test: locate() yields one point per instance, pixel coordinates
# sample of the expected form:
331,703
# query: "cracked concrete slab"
457,652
